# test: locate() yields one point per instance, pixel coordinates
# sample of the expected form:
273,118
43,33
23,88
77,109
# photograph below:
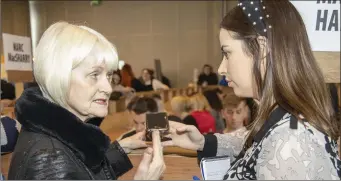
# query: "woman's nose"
222,70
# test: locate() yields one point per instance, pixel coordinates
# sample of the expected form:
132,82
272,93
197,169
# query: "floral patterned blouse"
283,149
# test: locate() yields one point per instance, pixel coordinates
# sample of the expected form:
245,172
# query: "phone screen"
156,121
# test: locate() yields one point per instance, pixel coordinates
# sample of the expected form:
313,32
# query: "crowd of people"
126,84
225,114
288,131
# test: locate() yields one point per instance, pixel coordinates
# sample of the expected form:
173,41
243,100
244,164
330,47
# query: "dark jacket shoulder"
43,158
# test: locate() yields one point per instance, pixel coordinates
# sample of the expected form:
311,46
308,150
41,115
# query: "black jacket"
211,79
55,144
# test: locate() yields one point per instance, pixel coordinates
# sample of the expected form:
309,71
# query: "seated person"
200,115
236,114
138,107
180,108
150,83
118,87
207,76
129,79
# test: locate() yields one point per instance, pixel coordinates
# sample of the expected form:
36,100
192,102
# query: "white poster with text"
322,20
17,52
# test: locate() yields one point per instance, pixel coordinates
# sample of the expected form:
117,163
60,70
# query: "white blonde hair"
62,48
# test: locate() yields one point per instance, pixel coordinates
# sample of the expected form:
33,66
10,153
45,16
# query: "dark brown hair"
293,79
141,105
213,99
209,66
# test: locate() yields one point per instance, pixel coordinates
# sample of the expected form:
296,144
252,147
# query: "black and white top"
283,149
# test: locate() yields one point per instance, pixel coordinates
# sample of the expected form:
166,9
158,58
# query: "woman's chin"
237,92
101,114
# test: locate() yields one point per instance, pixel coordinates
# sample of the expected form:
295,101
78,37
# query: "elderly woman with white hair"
73,67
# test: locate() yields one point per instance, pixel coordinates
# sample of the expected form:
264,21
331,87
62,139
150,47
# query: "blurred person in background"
207,76
215,102
223,81
118,87
200,115
129,79
180,108
150,83
138,107
73,67
235,113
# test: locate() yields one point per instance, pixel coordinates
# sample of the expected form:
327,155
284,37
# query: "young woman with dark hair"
149,82
267,56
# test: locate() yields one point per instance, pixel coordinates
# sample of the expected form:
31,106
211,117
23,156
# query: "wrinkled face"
207,70
116,79
236,65
90,89
145,75
139,121
235,116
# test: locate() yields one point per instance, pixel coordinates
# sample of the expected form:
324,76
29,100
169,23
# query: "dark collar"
276,115
86,140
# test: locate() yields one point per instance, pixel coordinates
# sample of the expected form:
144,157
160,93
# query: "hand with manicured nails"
152,164
185,136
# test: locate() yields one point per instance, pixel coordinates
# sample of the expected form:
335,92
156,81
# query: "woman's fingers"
157,166
143,169
183,129
147,157
175,125
157,147
167,143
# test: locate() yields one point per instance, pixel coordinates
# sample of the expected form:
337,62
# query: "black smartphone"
157,121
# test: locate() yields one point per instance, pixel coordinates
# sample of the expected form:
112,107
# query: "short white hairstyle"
62,48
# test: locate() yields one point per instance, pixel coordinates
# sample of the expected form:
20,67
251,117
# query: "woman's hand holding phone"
152,164
185,136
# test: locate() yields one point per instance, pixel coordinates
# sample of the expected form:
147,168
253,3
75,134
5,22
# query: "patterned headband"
253,10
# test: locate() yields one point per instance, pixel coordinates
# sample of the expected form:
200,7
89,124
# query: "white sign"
17,52
322,20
